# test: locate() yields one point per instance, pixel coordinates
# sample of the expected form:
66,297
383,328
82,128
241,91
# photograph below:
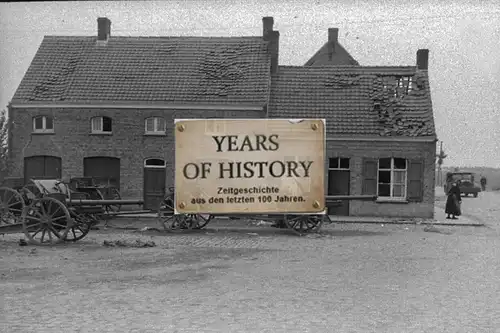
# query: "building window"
154,163
392,178
101,125
155,125
43,124
338,163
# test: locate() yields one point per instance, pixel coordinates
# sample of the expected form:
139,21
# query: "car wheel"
475,195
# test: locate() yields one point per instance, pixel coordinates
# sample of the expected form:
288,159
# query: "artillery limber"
42,210
97,192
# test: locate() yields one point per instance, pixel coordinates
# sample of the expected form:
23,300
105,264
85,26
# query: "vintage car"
467,183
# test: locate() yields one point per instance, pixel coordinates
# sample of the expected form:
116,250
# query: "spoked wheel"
114,195
46,221
175,223
11,206
198,221
81,227
304,224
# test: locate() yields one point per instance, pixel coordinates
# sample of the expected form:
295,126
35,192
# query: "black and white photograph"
250,166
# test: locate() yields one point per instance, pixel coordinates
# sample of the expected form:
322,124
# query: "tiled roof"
340,57
355,100
195,70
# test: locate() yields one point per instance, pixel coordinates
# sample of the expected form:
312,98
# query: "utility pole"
441,156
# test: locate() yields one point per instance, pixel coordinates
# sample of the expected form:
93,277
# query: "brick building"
104,107
380,132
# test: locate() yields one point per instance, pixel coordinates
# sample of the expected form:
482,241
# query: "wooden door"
104,170
154,187
339,184
42,167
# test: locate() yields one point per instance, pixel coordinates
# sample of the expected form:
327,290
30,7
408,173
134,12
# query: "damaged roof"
195,70
365,101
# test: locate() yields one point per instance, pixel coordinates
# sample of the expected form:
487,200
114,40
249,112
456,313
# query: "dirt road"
351,278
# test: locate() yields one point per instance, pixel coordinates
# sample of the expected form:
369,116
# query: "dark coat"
453,201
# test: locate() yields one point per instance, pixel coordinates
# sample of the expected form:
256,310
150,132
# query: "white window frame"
391,186
338,160
44,125
155,166
156,125
101,131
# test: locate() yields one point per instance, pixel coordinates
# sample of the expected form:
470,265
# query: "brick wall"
72,141
357,150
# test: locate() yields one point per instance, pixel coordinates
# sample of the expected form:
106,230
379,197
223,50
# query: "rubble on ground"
128,243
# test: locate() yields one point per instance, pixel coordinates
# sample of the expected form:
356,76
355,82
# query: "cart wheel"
81,227
175,223
11,206
199,221
303,224
114,195
46,221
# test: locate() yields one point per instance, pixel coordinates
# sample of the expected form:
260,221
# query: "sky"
463,38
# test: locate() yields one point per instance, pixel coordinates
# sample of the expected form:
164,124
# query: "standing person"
453,201
483,183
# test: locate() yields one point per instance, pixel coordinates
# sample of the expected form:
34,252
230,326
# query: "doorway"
339,182
154,182
42,167
104,170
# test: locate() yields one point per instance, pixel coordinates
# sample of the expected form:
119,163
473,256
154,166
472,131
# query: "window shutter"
370,169
161,125
415,180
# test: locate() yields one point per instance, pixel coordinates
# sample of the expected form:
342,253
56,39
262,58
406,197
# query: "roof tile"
356,100
197,70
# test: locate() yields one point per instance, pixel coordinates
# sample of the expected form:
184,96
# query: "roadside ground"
240,277
467,219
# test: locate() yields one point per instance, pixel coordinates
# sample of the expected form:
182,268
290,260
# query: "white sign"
246,166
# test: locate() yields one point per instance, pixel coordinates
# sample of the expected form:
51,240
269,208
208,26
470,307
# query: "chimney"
333,38
274,48
103,28
423,59
267,27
